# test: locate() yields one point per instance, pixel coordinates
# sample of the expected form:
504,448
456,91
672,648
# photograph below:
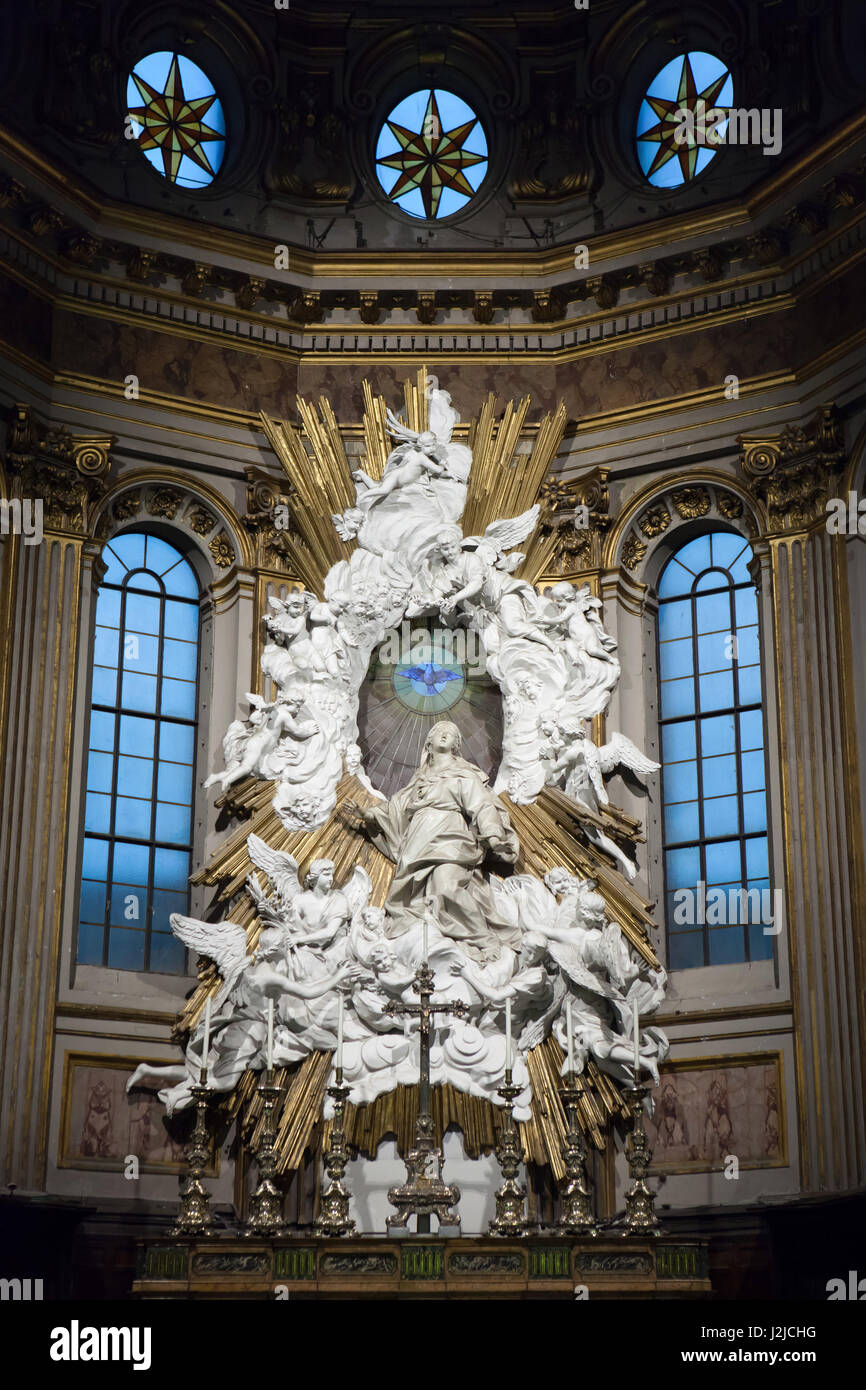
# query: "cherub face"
557,880
296,605
427,439
373,917
449,548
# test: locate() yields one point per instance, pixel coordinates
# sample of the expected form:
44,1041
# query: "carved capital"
268,517
577,512
68,472
796,471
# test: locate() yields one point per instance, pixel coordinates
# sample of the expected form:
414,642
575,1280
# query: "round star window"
431,155
676,132
177,118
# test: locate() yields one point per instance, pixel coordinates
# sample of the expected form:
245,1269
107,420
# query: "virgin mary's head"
444,737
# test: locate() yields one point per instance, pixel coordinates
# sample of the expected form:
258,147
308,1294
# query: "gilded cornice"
797,470
114,218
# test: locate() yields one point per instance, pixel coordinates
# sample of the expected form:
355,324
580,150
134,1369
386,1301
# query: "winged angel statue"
491,935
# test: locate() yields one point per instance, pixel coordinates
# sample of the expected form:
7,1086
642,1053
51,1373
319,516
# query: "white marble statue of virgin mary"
439,830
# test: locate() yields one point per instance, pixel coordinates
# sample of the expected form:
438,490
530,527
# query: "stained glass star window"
668,146
177,118
431,154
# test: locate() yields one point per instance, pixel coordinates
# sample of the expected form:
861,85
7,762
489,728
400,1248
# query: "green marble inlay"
295,1263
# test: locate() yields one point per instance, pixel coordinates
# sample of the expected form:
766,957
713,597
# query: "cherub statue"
250,745
416,460
302,640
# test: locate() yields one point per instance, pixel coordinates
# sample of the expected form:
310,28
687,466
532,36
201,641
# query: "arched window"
713,766
140,770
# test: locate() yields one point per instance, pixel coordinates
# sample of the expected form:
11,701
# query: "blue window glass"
431,154
140,766
713,761
680,118
177,120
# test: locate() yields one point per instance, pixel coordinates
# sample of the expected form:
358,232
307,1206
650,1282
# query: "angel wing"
619,751
569,960
399,430
280,867
357,891
535,1031
441,415
510,532
225,943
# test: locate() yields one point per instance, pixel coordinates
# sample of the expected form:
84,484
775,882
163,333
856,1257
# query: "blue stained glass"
678,742
167,954
675,620
128,905
140,654
92,900
717,735
681,822
719,775
675,580
757,858
142,614
749,678
172,823
171,869
169,84
678,697
179,659
676,658
181,620
716,692
90,941
714,652
739,570
727,944
132,817
754,811
176,743
711,579
164,904
685,950
748,651
745,608
174,783
94,863
695,555
131,863
143,579
668,154
104,685
126,949
137,735
99,769
725,547
129,548
714,613
119,876
723,862
134,776
97,813
139,692
683,867
760,942
681,782
108,607
753,771
431,141
178,699
721,815
752,729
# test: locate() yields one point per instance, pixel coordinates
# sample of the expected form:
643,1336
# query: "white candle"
340,1035
270,1035
205,1043
569,1023
636,1027
425,946
508,1034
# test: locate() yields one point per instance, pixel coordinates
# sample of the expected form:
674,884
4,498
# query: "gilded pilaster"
42,575
796,472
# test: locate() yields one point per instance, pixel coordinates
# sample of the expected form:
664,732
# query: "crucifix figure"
424,1193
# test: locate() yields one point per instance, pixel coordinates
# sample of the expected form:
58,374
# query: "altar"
539,1267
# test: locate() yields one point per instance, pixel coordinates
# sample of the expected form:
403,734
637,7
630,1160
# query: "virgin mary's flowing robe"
439,830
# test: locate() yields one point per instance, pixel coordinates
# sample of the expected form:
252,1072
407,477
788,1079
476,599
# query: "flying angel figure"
583,766
501,536
314,913
281,869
